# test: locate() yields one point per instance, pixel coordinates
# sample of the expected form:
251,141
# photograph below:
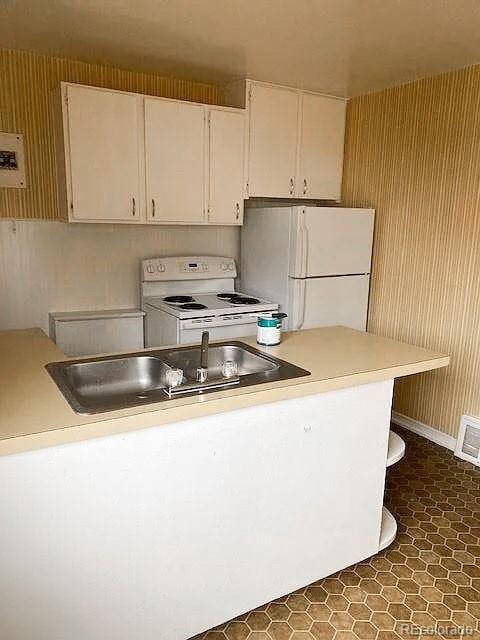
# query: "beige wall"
26,83
413,153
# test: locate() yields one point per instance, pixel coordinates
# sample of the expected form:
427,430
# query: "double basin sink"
109,383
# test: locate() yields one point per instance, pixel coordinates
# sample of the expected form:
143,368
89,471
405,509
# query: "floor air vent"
468,441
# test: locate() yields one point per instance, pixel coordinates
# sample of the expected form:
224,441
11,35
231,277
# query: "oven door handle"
246,318
219,321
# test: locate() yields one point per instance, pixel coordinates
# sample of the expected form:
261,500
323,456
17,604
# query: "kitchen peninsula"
124,520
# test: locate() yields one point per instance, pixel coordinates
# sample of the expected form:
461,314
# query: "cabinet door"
103,155
321,147
174,161
226,152
273,129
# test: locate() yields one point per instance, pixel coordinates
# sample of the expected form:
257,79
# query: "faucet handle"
229,368
174,377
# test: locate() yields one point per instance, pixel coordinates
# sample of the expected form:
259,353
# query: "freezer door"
329,241
323,302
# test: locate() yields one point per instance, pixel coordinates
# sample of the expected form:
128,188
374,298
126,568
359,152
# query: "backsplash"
26,84
54,266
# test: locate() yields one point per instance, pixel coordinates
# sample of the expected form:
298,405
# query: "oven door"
220,327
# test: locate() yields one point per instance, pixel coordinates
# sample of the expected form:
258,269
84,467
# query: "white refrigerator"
314,261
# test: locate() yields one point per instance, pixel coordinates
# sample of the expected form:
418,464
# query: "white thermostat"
12,161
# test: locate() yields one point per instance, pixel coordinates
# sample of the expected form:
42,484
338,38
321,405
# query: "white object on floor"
388,530
82,333
212,516
396,448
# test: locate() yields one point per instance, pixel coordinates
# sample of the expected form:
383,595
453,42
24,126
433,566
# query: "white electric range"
183,296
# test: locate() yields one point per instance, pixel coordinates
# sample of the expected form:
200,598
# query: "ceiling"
342,47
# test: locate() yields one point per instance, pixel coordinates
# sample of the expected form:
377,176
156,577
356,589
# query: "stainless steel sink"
94,385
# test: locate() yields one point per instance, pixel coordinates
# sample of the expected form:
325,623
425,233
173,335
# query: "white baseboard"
443,439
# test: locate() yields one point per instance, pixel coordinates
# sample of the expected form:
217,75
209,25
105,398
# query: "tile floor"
429,578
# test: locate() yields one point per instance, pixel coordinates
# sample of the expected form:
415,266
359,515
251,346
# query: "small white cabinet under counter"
82,333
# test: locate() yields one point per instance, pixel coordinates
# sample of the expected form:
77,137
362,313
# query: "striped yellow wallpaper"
413,153
26,83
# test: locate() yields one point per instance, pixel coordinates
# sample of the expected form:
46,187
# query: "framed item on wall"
12,161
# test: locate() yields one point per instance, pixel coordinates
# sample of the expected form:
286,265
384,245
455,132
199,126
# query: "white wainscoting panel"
55,266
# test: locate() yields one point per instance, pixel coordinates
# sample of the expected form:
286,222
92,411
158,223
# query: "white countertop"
34,413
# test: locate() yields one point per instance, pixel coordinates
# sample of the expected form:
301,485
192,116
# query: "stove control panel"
195,267
188,268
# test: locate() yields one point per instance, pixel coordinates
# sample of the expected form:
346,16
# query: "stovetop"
210,304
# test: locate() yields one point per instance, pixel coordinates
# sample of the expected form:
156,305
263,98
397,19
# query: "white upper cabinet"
101,145
226,135
322,130
295,141
174,161
273,132
124,157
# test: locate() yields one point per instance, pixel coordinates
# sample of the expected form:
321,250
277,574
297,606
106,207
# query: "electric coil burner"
193,305
179,299
244,300
227,296
183,296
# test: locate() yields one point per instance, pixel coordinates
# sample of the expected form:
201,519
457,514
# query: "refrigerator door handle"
301,304
304,245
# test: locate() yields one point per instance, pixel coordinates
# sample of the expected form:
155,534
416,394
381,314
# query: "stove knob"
160,268
150,268
224,266
231,267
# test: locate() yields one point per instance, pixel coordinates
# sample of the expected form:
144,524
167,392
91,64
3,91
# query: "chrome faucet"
202,370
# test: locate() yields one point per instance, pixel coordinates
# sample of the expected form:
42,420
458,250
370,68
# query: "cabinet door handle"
153,207
237,211
292,186
134,206
304,186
